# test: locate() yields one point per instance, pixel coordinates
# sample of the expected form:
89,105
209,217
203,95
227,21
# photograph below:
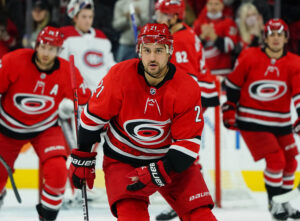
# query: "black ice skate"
46,214
277,211
292,213
167,214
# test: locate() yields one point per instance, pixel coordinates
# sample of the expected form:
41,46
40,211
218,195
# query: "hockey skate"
292,213
2,195
167,214
277,211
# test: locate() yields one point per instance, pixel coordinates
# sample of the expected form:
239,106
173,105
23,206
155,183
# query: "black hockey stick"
9,171
286,197
75,100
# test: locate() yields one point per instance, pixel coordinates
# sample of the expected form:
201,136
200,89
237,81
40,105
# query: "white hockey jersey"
92,53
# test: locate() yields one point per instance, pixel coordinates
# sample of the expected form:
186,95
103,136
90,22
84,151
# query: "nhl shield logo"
152,91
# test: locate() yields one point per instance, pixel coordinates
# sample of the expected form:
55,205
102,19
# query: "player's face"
84,19
46,55
38,14
162,18
276,41
214,6
155,58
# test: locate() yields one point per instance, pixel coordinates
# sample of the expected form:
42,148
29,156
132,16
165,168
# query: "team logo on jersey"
33,104
272,70
148,132
93,59
152,91
267,90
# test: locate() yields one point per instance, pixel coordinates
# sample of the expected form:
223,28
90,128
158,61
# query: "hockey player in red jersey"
153,139
259,94
33,85
187,55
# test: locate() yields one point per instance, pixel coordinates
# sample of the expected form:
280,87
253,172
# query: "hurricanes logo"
267,90
33,104
93,59
148,132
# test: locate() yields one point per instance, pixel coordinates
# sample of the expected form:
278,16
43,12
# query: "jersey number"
198,118
181,57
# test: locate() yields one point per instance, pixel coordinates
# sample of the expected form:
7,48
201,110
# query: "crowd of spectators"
21,20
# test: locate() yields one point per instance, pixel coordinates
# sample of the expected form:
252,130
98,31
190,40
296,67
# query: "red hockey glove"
229,110
296,127
149,178
83,168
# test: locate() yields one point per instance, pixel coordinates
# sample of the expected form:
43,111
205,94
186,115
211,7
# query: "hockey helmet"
276,24
171,7
75,6
155,33
50,35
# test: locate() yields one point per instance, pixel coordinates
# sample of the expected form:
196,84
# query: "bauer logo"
93,59
267,90
199,195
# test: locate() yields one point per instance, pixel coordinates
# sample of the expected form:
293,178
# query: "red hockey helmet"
155,33
50,35
171,7
276,24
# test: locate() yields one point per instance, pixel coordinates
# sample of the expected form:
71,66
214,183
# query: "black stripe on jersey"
116,127
210,102
19,136
178,161
232,94
86,138
133,162
250,126
90,113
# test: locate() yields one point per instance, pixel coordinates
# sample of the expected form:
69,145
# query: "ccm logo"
86,163
199,195
155,175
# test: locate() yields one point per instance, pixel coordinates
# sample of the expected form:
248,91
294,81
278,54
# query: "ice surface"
12,211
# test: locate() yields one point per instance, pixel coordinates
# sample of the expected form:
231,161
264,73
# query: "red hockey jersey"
263,88
218,53
187,56
145,122
30,97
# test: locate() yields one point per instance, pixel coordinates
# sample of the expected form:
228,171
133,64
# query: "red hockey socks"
132,210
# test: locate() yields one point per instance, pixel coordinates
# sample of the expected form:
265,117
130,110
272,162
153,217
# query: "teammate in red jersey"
153,139
33,85
188,51
259,93
187,57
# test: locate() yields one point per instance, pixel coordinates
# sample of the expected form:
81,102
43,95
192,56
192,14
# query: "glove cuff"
79,153
228,105
83,159
158,174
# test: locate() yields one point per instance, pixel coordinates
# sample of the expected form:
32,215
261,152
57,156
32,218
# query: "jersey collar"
55,66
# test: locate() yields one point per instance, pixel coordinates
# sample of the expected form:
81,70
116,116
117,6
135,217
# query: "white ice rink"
12,211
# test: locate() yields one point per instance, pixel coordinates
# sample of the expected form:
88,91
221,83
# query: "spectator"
218,35
90,47
250,24
8,34
123,24
41,17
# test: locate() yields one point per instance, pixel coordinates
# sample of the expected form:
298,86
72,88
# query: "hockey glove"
66,109
296,127
83,168
229,110
148,178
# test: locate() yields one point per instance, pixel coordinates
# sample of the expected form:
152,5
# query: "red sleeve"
295,85
105,102
84,93
6,77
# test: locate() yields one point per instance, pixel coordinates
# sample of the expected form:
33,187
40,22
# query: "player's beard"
162,70
46,64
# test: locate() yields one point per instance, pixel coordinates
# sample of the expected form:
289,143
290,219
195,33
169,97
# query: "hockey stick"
133,21
9,171
285,197
75,99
